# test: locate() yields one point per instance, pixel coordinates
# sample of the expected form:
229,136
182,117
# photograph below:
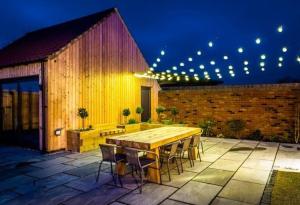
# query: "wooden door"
146,103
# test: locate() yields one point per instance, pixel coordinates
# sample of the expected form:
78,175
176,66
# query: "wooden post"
1,109
19,108
153,171
30,115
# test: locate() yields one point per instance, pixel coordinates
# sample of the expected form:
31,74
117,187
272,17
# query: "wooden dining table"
151,140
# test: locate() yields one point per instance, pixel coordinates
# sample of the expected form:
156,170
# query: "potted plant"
236,126
159,111
174,111
82,113
139,110
126,113
207,126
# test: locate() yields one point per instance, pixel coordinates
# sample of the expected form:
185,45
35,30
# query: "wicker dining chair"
109,155
185,147
140,163
195,144
170,153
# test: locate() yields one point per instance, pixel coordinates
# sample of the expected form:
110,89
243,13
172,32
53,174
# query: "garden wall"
270,108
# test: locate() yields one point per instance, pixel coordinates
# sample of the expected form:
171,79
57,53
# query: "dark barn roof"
37,45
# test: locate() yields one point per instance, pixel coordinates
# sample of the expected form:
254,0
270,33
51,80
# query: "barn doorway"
146,103
19,112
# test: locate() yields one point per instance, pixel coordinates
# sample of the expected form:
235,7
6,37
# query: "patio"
225,176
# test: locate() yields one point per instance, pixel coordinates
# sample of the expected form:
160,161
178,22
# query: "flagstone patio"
224,176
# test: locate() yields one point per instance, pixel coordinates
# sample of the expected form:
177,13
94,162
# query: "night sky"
181,28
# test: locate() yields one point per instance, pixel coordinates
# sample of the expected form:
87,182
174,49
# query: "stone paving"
231,172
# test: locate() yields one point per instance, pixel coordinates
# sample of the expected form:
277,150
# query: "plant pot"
131,127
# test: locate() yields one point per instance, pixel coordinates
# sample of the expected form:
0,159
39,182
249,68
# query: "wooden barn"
48,74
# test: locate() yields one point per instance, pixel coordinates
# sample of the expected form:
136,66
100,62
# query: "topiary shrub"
159,111
132,121
126,113
174,111
256,135
82,113
235,127
207,126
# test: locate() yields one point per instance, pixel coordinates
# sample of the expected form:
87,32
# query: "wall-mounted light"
57,132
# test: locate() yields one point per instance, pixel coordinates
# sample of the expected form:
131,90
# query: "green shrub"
82,113
132,121
149,121
139,110
126,113
256,135
159,111
235,126
174,111
167,122
207,126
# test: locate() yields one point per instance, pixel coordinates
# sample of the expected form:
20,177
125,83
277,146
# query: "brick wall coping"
217,87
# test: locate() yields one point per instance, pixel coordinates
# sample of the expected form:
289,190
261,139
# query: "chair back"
108,152
196,140
132,156
186,144
173,150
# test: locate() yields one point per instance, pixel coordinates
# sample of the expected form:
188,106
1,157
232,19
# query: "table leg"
121,166
153,171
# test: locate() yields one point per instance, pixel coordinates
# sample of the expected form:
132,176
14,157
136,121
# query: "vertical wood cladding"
270,108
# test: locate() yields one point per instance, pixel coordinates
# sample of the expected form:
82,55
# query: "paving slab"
14,182
198,166
223,201
206,157
46,183
55,169
172,202
49,163
243,191
287,163
53,196
252,175
235,156
104,195
260,164
214,176
88,183
226,164
88,169
196,193
83,161
177,180
152,194
6,196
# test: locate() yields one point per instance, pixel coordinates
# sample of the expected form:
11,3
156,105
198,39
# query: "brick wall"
270,108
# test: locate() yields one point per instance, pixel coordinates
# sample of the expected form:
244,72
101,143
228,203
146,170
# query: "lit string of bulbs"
169,75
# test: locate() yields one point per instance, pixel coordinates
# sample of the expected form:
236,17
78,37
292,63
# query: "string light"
280,58
257,41
162,52
246,62
158,60
262,69
183,72
199,53
212,63
284,49
217,70
247,72
190,59
263,57
154,65
210,44
181,64
230,67
240,50
298,59
246,68
201,66
174,68
168,71
280,29
279,65
191,70
152,69
262,64
225,57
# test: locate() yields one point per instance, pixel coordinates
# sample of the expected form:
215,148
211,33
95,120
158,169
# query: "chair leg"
99,170
180,158
202,147
198,148
177,165
168,169
118,176
112,173
141,178
190,159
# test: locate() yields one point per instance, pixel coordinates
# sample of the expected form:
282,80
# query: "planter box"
131,127
89,140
